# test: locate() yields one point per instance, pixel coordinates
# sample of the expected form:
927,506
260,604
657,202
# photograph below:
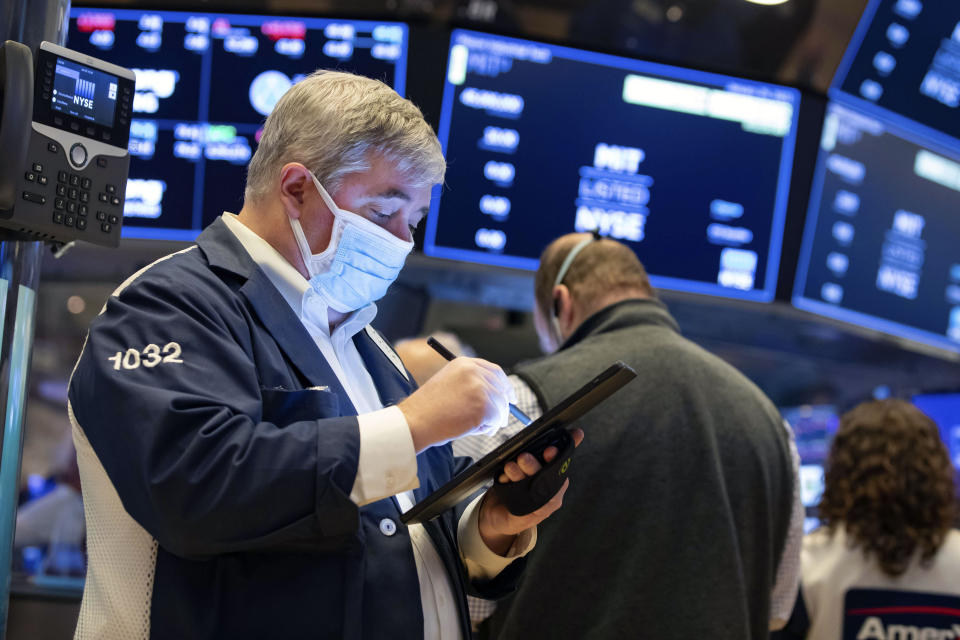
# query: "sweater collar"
626,313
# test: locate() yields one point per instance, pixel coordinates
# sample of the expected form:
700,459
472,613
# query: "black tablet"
572,407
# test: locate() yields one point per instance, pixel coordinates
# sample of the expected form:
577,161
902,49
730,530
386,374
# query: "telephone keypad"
70,205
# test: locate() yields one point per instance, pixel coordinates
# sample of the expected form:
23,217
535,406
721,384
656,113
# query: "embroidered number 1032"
150,356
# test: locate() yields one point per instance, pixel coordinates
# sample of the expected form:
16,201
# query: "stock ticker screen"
205,84
690,169
881,246
814,427
944,409
905,58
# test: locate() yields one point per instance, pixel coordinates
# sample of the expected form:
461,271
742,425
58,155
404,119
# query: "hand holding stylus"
448,355
467,395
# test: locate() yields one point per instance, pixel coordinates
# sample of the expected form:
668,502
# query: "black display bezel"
117,136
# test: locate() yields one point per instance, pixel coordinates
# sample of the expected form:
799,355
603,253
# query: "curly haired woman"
886,562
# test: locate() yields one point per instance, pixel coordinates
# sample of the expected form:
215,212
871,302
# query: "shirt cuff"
388,463
480,561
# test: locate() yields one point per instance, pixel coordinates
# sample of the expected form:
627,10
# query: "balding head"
603,272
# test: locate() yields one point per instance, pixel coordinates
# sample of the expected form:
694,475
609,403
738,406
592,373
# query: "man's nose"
401,230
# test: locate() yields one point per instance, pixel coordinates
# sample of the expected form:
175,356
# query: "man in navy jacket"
247,442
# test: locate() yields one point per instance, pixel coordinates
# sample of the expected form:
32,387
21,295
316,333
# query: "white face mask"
362,260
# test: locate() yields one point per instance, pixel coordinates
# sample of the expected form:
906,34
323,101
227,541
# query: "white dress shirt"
387,464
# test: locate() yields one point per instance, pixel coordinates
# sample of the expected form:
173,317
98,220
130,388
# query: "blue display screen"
880,247
944,409
690,169
905,58
84,92
814,427
205,84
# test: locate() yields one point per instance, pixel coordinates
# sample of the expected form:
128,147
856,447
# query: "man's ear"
563,306
295,182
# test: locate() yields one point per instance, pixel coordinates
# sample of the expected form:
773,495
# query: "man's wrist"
497,542
480,561
412,414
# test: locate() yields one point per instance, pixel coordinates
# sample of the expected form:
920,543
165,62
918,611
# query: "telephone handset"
16,112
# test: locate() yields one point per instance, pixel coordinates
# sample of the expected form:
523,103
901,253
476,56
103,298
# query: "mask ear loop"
327,200
561,274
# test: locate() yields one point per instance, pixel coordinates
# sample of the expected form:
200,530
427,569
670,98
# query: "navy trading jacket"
217,452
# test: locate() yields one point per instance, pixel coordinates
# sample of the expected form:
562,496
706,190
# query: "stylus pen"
446,353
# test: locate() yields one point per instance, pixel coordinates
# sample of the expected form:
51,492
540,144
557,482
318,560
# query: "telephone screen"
84,93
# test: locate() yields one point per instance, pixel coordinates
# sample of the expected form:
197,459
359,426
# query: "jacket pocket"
283,407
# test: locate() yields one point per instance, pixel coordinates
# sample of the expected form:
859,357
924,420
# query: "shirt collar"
315,312
291,284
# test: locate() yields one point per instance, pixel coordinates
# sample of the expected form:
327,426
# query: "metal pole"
29,23
19,278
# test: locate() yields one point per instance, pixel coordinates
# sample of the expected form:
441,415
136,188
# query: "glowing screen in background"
690,169
205,83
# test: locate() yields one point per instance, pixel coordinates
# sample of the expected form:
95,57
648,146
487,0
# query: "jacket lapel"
224,251
384,367
292,337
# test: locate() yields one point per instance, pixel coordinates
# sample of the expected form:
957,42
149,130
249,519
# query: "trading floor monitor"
905,59
880,248
690,169
205,84
814,427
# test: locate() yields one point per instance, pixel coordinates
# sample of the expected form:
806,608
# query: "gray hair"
332,122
